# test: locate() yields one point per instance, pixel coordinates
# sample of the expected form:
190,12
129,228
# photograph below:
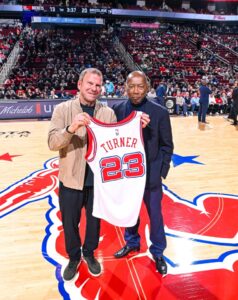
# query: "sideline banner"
33,109
43,109
27,109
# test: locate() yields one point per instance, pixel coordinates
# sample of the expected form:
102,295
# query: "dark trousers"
234,113
235,119
202,112
152,201
71,203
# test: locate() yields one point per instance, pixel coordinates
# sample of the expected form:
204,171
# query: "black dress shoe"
125,251
94,266
71,270
161,265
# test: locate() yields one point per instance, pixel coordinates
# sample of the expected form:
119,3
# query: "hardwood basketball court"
200,213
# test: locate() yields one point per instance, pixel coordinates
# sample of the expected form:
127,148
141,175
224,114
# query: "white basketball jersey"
117,158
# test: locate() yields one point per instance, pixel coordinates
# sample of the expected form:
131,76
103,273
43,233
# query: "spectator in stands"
120,90
180,104
225,102
66,95
194,102
109,88
152,93
214,81
62,94
219,104
203,100
43,95
211,105
10,94
187,100
30,94
103,91
53,94
21,93
37,93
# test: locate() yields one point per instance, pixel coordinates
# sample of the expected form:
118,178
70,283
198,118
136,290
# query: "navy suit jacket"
157,138
204,94
161,91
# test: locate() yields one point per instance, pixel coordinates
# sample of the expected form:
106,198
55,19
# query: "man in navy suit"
161,93
159,149
235,104
203,101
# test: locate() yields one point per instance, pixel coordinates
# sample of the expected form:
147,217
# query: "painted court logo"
205,226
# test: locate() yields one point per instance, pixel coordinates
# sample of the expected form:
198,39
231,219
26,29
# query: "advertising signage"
33,109
27,109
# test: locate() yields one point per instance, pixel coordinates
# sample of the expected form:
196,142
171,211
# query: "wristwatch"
67,129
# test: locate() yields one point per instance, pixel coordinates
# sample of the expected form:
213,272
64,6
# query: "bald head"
137,86
137,74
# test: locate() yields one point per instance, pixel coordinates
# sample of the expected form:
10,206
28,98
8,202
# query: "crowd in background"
50,61
8,38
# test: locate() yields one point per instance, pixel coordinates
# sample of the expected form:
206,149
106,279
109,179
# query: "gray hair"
90,70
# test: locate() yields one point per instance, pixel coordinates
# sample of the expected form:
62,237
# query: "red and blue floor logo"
202,250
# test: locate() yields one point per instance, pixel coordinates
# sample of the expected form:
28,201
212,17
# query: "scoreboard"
74,10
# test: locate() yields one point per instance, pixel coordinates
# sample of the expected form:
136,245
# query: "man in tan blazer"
67,134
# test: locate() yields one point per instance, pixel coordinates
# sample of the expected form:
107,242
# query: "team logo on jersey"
205,226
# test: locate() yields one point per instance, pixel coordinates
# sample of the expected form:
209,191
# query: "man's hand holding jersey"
145,120
81,119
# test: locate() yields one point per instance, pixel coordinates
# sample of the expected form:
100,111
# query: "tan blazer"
73,147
